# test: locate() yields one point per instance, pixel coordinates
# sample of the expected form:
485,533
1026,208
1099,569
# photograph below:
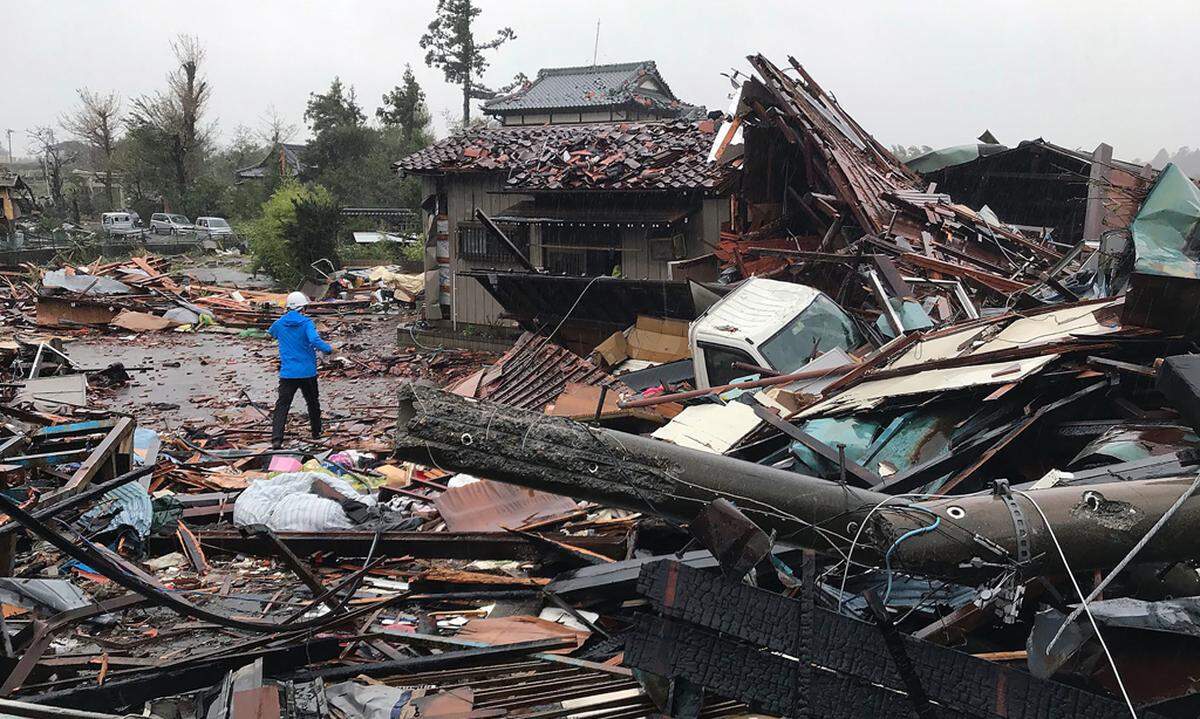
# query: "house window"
476,243
589,251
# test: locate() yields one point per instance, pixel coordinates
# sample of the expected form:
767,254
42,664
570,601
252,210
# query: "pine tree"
404,107
451,46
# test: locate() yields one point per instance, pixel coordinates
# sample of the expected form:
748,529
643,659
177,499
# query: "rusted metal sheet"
486,506
58,311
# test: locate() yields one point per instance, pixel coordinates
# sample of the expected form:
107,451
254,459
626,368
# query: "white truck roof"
756,310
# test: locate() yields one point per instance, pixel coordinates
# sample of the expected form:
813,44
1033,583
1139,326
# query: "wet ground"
203,376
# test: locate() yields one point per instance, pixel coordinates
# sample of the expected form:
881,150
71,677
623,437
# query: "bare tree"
52,156
177,114
95,123
275,128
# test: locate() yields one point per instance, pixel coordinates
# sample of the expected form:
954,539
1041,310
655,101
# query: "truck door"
718,363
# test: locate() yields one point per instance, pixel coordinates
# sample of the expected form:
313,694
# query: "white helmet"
296,300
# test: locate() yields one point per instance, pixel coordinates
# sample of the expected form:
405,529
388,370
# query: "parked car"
215,227
163,223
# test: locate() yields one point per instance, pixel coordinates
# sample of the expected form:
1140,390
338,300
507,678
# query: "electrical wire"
887,556
1075,583
858,535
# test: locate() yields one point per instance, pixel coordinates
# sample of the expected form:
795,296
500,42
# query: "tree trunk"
467,102
467,57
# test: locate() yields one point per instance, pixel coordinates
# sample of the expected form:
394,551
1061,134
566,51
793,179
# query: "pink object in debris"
284,463
342,459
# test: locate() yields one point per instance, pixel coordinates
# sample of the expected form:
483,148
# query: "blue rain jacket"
298,343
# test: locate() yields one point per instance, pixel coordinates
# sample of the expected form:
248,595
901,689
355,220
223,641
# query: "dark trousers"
287,391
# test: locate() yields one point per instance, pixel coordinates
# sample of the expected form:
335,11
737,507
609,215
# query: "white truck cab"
767,323
116,222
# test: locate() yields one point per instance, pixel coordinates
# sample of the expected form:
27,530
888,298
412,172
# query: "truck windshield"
217,222
179,219
819,328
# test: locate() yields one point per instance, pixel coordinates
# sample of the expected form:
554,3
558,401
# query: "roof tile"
668,155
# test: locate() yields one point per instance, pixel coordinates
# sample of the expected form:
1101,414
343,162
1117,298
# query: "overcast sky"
1076,72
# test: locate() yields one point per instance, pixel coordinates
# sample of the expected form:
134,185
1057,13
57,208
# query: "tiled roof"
665,155
588,86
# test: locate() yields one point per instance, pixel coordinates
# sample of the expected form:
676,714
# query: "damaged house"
285,158
1072,195
16,201
612,192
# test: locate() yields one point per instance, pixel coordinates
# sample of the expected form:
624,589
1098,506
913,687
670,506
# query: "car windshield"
179,219
217,222
819,328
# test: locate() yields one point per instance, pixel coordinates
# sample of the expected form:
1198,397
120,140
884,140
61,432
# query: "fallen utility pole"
1096,524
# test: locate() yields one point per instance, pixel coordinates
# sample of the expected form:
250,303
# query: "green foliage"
451,46
240,203
353,160
312,232
146,164
244,150
284,236
404,107
204,197
383,253
336,108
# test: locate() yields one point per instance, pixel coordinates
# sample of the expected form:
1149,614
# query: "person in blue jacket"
298,345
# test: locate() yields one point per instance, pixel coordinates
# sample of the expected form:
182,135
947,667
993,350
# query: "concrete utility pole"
596,46
557,455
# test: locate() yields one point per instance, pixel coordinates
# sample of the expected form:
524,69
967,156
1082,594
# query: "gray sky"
1075,72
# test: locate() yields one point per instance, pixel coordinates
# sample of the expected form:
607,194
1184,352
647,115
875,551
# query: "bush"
384,253
298,226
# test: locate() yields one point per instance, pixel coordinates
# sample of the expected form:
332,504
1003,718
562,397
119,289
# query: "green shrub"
384,253
284,246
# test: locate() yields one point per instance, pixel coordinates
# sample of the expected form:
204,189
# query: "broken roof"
591,86
668,155
293,153
859,168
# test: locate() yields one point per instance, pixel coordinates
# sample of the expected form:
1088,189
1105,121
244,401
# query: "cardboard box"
651,339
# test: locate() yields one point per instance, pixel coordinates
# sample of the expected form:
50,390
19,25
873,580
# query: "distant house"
632,91
579,187
16,200
286,158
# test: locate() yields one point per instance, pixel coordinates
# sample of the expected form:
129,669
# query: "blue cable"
887,556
